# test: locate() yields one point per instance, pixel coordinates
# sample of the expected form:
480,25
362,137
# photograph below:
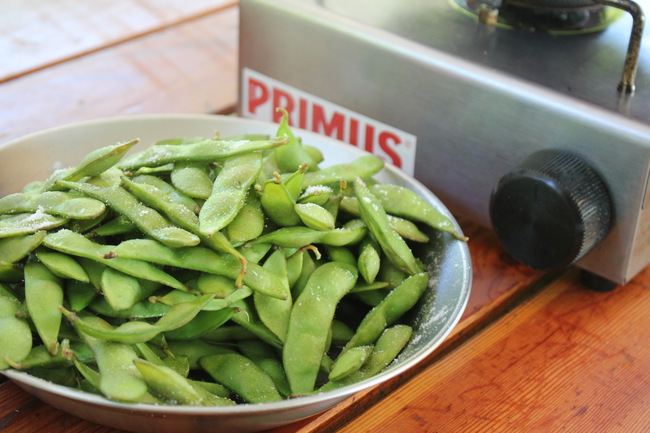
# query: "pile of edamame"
210,271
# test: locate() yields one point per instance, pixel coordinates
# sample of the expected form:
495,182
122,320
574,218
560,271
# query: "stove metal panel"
473,121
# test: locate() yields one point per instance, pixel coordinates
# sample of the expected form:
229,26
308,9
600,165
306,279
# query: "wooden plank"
570,359
499,283
39,33
190,68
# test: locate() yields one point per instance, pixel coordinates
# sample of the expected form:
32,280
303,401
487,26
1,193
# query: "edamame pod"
28,223
229,192
349,362
373,215
15,333
93,164
404,202
140,331
62,265
119,378
310,323
389,345
399,301
15,248
362,167
170,386
52,202
242,376
201,259
290,157
145,218
192,179
208,150
273,312
278,203
43,295
73,243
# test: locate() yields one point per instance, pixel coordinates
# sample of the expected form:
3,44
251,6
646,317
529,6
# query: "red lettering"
282,99
387,140
258,94
302,119
353,137
334,128
370,138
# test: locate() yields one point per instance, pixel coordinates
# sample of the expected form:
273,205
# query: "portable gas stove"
528,116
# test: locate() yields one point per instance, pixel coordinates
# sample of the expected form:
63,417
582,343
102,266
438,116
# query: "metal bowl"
34,158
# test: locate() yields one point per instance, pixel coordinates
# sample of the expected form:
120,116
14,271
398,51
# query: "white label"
261,95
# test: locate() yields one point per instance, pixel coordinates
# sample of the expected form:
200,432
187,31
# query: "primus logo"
261,95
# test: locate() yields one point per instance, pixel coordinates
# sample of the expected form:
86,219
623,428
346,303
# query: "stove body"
458,103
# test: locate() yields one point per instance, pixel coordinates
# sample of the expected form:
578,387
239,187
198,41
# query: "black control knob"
551,210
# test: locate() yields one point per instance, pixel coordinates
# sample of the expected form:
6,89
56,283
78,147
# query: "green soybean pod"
404,227
208,150
309,265
122,291
294,266
247,317
39,356
249,222
28,223
183,217
362,167
278,203
229,192
317,194
79,294
401,201
194,350
119,225
340,254
374,216
93,164
388,346
273,312
165,383
10,272
392,307
349,362
140,331
76,244
294,182
341,332
15,248
145,218
53,202
62,265
203,322
140,310
43,295
293,154
15,333
369,260
315,216
119,379
266,358
242,376
192,179
172,193
310,323
200,259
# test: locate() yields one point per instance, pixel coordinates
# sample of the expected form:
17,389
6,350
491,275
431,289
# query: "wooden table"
533,352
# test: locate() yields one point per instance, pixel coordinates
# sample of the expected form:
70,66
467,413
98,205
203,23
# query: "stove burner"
564,17
553,16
